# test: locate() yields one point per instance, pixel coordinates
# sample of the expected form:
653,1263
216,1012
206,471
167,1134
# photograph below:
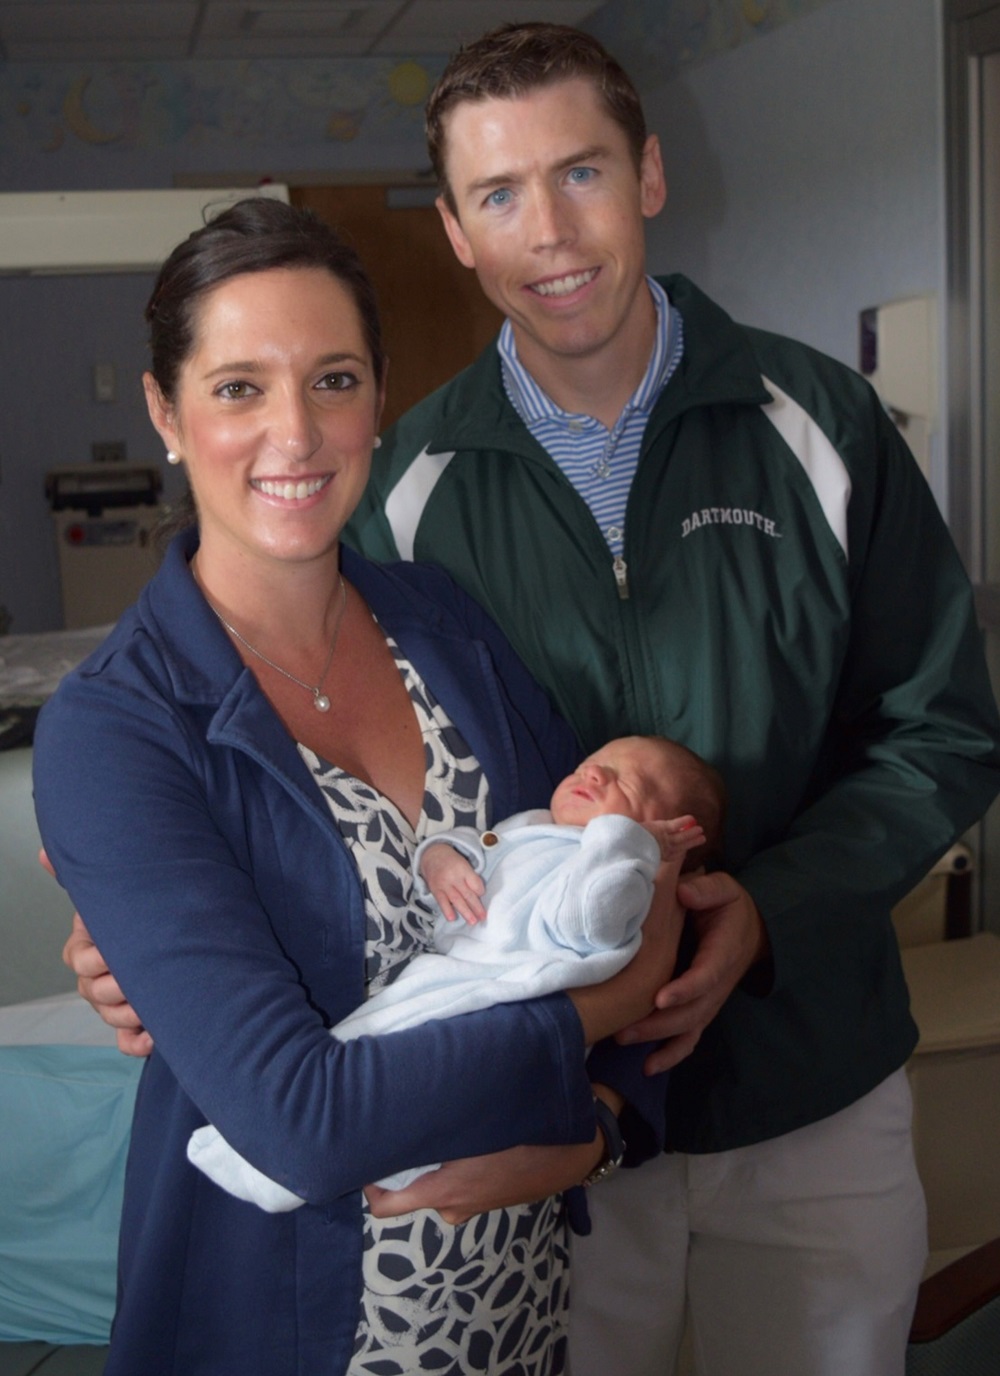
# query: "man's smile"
562,286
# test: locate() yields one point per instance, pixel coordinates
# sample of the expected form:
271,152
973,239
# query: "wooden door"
434,316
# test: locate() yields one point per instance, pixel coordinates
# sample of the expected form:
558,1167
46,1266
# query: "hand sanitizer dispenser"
899,359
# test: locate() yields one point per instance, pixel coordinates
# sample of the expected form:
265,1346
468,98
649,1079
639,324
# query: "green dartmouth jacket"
790,606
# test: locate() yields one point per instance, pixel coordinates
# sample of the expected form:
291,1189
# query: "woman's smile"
290,489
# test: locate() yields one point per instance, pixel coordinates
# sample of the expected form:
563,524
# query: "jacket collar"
199,658
201,661
205,671
718,366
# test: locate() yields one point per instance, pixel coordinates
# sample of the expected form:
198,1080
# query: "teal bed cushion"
65,1117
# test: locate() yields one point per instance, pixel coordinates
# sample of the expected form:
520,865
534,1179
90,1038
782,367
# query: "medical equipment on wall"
104,516
899,357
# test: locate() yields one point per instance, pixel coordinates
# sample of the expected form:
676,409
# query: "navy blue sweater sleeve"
222,896
643,1117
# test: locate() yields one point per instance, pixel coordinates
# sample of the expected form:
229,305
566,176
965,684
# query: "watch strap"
614,1143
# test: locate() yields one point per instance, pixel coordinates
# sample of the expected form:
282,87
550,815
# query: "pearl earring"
173,457
378,442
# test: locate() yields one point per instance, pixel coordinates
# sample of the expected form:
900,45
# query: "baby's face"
624,777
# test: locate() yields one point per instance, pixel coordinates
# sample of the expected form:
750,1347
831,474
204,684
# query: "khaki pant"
795,1257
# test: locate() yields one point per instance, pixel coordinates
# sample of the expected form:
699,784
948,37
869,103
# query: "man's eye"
501,196
579,175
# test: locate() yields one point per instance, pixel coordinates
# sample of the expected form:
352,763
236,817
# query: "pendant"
321,702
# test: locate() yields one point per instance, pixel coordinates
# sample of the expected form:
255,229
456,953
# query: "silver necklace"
320,700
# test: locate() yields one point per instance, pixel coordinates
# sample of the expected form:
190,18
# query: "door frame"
971,32
972,28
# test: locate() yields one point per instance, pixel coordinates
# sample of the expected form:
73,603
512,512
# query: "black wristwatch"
614,1143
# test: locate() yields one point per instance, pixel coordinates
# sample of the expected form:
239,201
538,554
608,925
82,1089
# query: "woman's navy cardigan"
202,856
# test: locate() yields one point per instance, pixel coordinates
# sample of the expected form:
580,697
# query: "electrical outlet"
108,451
104,382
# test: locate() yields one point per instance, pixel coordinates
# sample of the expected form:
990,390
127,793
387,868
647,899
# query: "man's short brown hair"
516,58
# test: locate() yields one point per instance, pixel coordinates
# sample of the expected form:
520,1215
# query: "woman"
231,790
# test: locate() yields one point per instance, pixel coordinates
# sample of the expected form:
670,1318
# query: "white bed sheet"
34,912
32,665
62,1020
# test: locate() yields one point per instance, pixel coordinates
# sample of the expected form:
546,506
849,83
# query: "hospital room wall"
806,174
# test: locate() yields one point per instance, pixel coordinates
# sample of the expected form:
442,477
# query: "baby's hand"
454,883
676,836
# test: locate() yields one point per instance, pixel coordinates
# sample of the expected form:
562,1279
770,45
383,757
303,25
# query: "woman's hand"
477,1184
520,1175
630,995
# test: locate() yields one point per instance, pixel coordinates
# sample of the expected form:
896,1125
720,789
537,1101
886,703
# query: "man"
763,575
691,528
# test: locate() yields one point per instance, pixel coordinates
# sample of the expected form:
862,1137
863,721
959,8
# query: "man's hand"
99,987
477,1184
731,938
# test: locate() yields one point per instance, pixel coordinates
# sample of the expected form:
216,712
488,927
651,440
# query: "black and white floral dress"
489,1295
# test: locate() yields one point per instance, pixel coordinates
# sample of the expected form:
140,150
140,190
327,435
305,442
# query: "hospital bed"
66,1095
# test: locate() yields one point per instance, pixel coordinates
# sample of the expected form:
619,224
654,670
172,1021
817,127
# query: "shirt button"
490,838
575,426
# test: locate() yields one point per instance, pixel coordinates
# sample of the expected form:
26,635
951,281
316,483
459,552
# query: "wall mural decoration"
196,114
228,107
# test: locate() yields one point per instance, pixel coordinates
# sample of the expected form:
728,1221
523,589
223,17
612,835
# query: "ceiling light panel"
120,30
439,26
326,28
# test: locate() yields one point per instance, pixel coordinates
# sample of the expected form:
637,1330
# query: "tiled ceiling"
120,30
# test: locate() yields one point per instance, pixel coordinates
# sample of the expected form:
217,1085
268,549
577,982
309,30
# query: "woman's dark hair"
252,235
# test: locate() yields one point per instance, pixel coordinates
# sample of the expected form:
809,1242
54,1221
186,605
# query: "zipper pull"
621,577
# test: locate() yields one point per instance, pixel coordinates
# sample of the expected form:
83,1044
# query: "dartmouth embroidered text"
728,516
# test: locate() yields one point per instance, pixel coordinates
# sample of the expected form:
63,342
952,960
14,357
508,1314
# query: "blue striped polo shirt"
600,463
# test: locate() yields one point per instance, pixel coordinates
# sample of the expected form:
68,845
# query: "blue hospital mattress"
65,1116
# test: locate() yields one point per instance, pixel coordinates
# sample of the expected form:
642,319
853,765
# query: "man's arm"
910,761
98,986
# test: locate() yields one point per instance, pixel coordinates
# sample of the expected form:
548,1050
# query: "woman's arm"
171,886
480,1183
